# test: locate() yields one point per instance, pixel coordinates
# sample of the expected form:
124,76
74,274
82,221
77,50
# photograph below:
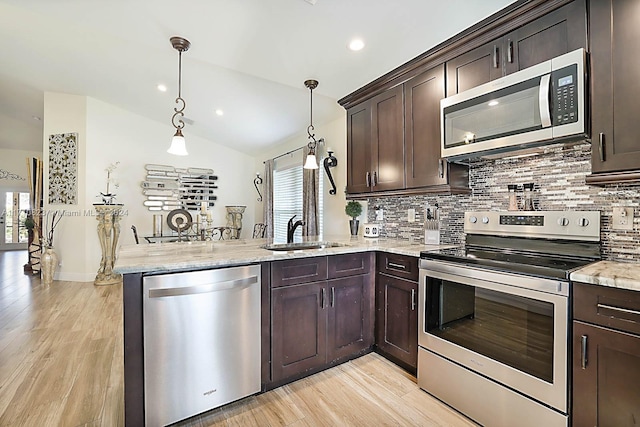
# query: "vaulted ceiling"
248,58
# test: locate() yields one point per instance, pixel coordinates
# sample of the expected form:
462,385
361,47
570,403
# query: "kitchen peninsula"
316,309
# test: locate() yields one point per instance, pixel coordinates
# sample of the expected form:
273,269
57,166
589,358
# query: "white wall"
67,114
109,134
336,222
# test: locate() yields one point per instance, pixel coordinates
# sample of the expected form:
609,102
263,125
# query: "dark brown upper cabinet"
558,32
387,141
423,165
375,144
359,148
403,150
615,90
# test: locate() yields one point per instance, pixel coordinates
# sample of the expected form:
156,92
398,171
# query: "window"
287,199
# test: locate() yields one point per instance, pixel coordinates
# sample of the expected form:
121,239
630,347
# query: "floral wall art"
63,169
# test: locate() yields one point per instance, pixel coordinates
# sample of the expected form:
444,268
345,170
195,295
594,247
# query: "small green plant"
353,209
29,223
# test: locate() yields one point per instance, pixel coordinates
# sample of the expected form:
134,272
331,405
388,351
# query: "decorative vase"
234,220
354,224
48,264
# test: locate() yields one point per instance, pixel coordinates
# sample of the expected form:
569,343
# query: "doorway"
15,206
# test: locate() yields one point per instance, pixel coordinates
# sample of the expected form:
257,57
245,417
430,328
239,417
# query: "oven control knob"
473,219
485,220
563,221
583,222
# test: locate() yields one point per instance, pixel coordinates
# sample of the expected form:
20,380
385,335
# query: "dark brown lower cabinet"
397,320
317,324
299,329
396,325
606,378
606,356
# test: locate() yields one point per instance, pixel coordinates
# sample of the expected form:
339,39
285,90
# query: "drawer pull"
583,352
495,56
322,298
623,310
394,265
333,296
413,299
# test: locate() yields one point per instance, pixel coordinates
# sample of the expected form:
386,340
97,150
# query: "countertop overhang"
181,256
610,273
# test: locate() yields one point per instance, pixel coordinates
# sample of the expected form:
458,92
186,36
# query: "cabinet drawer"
612,307
297,271
402,266
349,265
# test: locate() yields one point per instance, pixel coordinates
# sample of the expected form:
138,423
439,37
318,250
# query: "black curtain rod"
286,154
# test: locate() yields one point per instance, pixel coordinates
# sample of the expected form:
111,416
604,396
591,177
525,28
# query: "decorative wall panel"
63,169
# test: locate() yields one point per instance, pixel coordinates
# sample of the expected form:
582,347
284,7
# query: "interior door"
13,234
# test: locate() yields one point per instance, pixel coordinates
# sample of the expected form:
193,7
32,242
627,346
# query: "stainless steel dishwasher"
201,341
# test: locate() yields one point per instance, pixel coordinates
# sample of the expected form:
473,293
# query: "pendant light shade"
311,162
178,145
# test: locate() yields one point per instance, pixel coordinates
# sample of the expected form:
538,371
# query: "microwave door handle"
543,101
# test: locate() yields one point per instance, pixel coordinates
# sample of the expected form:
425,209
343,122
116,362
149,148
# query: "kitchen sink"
302,246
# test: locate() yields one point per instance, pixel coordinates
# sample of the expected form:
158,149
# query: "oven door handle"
498,280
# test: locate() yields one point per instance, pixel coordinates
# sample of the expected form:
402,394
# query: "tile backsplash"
559,177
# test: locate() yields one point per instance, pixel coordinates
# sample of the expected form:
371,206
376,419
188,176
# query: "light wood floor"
61,365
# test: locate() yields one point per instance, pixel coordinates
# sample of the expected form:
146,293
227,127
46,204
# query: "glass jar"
528,197
513,198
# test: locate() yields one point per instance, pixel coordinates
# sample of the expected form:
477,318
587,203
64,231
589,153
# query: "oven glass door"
507,327
511,329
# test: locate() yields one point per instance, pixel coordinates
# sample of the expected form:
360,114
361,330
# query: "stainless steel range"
494,315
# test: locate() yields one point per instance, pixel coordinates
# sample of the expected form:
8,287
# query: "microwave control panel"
564,95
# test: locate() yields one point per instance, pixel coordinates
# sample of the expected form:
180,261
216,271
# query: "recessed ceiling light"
162,88
219,112
493,103
356,44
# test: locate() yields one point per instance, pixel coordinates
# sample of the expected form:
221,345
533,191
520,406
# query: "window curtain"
267,206
310,186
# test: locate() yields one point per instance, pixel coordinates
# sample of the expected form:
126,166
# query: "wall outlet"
411,215
379,214
622,218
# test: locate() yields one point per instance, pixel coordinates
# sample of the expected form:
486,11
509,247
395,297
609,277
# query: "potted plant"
353,209
29,224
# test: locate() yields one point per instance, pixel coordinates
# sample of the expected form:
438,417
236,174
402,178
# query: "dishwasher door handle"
203,289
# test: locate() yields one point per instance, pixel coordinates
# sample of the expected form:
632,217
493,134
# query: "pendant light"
178,146
311,162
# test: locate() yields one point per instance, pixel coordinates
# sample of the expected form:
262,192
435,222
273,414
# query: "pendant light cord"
179,111
312,142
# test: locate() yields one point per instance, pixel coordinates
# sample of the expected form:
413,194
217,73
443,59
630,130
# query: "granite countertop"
158,257
610,273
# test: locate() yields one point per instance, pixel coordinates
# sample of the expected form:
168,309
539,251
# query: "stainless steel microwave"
536,106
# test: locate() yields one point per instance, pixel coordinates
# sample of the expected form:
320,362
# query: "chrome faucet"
291,228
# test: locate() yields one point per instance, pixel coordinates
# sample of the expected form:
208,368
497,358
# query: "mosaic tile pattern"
63,169
559,177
